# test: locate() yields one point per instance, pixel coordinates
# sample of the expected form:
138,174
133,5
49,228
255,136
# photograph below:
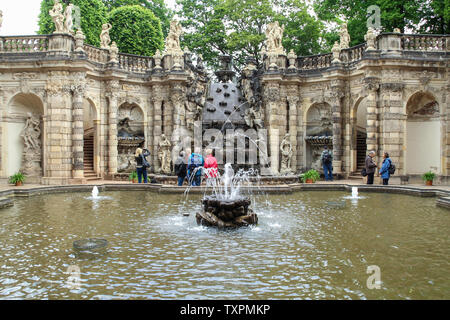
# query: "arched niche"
130,134
23,137
359,134
423,134
91,138
318,133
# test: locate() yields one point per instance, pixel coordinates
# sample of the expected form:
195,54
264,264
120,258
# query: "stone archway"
423,134
359,135
318,133
91,154
23,137
130,134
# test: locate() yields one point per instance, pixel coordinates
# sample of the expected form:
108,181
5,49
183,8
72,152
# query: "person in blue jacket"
384,171
195,161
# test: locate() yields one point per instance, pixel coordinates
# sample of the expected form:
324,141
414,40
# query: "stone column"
392,135
371,86
293,100
157,123
273,99
112,127
78,131
336,109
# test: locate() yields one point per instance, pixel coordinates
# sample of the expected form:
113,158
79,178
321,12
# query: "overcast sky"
20,17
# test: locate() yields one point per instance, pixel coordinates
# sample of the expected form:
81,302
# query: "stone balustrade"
425,42
353,54
318,61
21,44
96,54
135,63
142,64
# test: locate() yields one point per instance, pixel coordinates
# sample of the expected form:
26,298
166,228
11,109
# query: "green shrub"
310,175
428,176
17,177
133,176
136,30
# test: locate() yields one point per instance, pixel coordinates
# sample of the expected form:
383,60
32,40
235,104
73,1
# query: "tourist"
142,164
384,171
195,165
210,167
327,163
181,168
370,167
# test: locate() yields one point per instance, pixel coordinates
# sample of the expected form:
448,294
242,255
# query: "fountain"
95,192
354,192
226,208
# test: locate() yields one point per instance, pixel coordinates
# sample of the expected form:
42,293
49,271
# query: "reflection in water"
303,247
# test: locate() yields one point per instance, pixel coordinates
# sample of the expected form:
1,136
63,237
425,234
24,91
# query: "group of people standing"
190,169
371,166
326,159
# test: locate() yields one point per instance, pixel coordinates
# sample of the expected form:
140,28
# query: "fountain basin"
226,213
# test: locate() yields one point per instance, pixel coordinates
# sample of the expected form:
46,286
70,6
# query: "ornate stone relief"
164,154
286,155
32,152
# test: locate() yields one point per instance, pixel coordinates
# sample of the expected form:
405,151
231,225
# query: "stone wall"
63,75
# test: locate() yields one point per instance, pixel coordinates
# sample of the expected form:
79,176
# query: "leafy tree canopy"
158,7
237,27
93,15
136,30
431,16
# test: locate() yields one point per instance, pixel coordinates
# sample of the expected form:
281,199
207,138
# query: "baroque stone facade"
390,94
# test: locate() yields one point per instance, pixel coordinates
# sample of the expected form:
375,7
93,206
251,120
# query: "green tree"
403,14
93,15
136,30
158,7
237,27
436,17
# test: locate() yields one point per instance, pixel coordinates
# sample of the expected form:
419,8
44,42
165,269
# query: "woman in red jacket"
210,165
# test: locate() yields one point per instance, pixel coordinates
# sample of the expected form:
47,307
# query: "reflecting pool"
307,245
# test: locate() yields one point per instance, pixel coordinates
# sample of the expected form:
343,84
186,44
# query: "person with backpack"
327,163
195,175
181,168
386,168
142,164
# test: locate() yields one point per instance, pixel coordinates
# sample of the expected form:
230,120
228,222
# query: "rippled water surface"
308,245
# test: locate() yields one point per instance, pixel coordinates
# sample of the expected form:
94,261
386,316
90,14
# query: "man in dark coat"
181,168
370,167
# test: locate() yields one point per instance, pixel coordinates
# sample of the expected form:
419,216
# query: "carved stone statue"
253,118
345,37
164,154
105,40
68,24
286,154
336,52
57,16
31,162
370,38
274,37
172,45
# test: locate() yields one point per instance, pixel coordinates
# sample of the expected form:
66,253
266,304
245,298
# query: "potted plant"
310,176
428,178
18,179
133,177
